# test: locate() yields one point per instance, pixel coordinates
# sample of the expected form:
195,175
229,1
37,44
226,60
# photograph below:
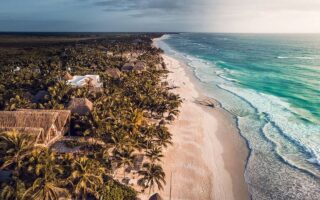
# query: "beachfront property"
86,80
113,72
45,126
80,106
138,66
109,53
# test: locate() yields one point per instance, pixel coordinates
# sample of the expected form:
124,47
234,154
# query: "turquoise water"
271,85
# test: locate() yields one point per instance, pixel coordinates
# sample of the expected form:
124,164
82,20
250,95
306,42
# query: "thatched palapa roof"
113,72
43,124
138,66
128,67
80,106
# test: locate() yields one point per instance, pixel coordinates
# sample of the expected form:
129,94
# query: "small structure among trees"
86,80
80,106
45,126
113,72
138,66
68,76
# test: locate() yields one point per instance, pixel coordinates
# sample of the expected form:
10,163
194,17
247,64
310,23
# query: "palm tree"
13,189
137,120
152,174
47,186
163,136
154,154
14,147
42,189
126,158
86,177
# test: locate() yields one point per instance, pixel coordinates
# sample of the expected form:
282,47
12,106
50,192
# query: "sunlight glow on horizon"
255,16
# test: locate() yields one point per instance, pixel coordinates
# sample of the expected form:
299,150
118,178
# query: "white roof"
80,81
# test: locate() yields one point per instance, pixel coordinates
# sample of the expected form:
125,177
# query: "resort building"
138,66
127,67
46,126
109,53
86,80
113,72
68,76
80,106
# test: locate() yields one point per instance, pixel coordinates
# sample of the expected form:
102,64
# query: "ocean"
270,83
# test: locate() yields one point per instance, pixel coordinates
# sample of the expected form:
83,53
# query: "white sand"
208,155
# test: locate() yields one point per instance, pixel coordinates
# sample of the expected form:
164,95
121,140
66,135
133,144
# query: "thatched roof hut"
113,72
80,106
68,76
140,66
41,96
127,67
155,196
45,125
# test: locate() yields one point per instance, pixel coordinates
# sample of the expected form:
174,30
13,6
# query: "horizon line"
169,32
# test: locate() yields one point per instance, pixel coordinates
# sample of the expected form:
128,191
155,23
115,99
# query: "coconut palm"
13,189
125,158
14,147
154,154
152,175
163,136
42,189
47,186
86,177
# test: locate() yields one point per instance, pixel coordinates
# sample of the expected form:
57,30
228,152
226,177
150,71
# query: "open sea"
271,84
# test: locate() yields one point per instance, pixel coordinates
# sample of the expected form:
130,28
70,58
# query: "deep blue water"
271,84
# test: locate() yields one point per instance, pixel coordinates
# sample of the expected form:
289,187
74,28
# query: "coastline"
208,154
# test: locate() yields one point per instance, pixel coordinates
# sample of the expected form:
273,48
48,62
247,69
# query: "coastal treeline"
125,123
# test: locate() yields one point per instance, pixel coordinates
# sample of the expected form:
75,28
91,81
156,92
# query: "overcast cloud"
161,15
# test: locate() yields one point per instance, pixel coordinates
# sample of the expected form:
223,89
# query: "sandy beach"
207,158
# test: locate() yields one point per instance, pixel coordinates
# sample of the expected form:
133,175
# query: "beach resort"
84,119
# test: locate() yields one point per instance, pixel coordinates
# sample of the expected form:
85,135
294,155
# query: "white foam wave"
226,78
307,136
297,57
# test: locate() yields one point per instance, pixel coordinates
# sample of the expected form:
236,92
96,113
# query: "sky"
257,16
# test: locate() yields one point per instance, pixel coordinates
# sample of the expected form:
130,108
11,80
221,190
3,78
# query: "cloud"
144,7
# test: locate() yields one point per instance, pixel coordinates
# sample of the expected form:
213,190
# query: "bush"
116,191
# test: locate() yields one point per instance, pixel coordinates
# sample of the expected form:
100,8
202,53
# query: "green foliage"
125,119
116,191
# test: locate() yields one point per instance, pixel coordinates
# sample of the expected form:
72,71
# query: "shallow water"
271,84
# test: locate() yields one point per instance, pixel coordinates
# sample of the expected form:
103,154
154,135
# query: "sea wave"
306,137
282,146
298,57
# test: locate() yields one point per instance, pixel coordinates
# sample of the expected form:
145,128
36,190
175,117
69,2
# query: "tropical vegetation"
129,117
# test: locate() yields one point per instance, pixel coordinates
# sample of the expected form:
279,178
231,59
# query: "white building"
81,81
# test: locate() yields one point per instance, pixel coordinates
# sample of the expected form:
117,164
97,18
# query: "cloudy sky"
161,15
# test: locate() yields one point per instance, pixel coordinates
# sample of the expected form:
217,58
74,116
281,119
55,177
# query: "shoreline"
208,156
